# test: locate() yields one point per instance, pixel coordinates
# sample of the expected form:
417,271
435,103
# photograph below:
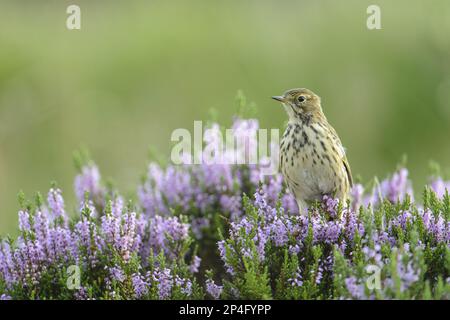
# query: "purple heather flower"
319,275
198,225
356,290
297,280
164,281
185,285
61,245
81,294
111,229
272,189
24,221
217,178
437,226
351,224
223,255
7,265
121,233
213,289
231,204
295,249
373,254
261,238
56,204
260,200
151,200
193,268
202,199
88,181
41,227
172,186
127,241
5,297
117,207
117,274
289,204
329,232
214,148
187,288
140,286
89,239
279,233
330,205
402,220
439,186
408,275
245,132
357,193
397,187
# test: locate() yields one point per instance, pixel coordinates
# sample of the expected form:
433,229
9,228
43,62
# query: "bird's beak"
278,98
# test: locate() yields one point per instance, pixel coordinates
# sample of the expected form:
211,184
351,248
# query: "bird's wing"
349,172
343,156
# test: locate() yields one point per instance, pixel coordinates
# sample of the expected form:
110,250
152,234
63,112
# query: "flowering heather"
217,231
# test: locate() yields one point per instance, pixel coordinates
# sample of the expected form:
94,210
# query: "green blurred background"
139,69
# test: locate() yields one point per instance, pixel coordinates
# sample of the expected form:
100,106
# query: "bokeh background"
139,69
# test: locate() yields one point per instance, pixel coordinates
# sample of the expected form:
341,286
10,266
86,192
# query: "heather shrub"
228,231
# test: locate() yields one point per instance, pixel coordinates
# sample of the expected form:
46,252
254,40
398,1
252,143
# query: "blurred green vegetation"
139,69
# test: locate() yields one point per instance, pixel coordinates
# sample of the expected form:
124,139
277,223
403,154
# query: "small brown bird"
312,158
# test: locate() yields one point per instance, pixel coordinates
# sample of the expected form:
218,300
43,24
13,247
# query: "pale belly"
309,170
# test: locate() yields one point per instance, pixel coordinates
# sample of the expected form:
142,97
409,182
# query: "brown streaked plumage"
312,158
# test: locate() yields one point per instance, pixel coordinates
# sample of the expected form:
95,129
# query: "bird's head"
300,103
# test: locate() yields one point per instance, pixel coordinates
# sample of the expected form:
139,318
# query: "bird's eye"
301,98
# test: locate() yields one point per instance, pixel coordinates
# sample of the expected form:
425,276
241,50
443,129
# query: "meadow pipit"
312,158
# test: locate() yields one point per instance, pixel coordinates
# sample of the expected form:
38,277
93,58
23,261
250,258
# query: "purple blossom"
357,195
330,205
231,204
89,181
7,265
121,233
289,204
165,282
373,254
297,279
223,255
436,225
439,186
403,220
140,286
89,239
187,288
117,207
394,189
245,131
56,204
24,221
193,268
407,273
81,294
198,225
117,274
279,232
213,289
356,290
351,224
185,285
